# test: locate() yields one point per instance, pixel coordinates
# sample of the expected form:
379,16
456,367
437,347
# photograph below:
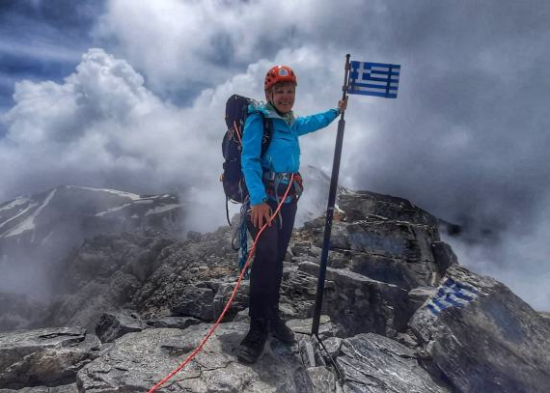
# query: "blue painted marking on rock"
433,309
452,294
464,296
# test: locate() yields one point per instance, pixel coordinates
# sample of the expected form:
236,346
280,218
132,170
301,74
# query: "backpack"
232,178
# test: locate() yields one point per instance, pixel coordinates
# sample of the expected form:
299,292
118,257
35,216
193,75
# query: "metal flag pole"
330,208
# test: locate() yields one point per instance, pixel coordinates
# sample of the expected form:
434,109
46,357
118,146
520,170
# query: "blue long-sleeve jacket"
283,153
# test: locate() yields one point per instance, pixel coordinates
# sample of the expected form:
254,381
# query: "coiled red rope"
213,328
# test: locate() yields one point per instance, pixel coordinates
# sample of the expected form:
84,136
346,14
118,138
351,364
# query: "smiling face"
282,96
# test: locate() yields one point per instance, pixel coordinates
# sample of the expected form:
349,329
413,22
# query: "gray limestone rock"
418,296
358,304
407,339
192,278
85,306
172,322
382,268
139,360
48,357
65,216
115,324
444,256
303,326
385,260
361,205
483,337
375,364
390,250
223,294
103,275
305,249
195,302
324,380
44,389
298,293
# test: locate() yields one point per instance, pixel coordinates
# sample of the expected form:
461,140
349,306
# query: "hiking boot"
253,344
280,331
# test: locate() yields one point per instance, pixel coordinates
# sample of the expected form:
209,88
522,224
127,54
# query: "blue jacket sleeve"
250,158
315,122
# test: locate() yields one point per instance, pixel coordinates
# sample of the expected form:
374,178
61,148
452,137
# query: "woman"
267,177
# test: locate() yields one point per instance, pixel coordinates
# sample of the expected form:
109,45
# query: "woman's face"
282,96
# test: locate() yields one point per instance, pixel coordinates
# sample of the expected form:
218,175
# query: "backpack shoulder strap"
268,133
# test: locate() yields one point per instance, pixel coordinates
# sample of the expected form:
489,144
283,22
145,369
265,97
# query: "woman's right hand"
260,214
342,105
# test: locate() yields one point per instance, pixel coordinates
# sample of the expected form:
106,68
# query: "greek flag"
374,79
452,294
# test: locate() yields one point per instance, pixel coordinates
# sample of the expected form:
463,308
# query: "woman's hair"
280,84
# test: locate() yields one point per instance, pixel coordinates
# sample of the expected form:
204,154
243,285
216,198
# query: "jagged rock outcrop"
71,388
172,322
65,215
38,233
103,275
140,360
482,337
50,357
113,325
375,364
387,239
370,363
195,301
386,264
358,304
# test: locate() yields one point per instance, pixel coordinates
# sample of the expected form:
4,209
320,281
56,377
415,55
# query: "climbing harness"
276,184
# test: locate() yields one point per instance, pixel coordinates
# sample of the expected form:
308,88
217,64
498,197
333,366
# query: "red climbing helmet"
277,74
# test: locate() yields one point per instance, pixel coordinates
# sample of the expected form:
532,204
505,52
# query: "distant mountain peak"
40,229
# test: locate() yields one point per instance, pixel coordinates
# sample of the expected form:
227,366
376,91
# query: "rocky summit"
399,315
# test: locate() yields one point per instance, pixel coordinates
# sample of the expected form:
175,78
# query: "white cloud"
519,260
102,127
189,43
100,122
467,135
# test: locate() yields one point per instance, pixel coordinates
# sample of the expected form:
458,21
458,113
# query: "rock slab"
483,337
375,364
48,357
138,361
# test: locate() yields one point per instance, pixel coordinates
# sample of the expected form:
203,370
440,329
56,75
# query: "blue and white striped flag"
452,294
374,79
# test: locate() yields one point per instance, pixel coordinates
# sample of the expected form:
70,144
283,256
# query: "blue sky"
42,42
129,94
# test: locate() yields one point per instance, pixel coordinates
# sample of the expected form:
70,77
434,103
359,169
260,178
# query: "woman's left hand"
342,105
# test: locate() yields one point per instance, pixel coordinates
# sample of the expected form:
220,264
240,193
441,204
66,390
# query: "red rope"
238,132
213,328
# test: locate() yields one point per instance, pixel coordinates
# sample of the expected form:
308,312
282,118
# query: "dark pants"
267,270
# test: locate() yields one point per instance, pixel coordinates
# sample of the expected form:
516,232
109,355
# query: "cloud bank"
466,139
